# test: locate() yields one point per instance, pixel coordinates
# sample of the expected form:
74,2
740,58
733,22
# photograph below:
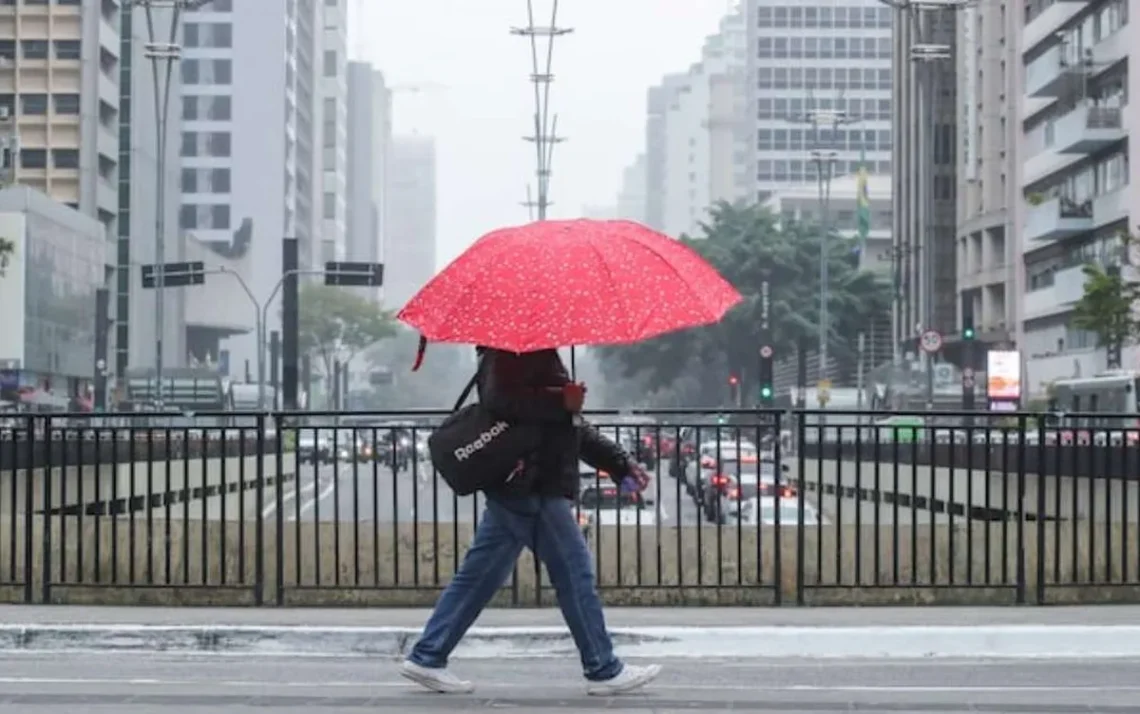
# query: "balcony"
1056,219
1046,76
1111,207
1067,288
1087,129
1049,21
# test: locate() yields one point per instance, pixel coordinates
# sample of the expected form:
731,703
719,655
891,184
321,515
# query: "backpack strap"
470,386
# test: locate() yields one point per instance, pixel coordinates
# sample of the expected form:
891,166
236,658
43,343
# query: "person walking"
533,509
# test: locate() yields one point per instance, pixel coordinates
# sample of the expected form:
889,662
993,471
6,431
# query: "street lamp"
168,52
824,159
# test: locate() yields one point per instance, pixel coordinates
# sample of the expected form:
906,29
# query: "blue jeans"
547,527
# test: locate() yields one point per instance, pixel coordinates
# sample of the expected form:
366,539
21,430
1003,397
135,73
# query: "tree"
436,385
335,324
1106,307
748,246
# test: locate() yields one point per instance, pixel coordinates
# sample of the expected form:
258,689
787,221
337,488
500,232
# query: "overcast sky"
476,98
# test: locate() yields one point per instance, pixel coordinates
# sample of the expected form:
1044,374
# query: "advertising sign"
1003,375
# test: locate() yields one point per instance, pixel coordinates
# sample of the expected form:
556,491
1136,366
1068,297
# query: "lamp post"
167,53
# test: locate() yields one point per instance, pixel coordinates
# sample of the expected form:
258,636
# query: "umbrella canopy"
562,283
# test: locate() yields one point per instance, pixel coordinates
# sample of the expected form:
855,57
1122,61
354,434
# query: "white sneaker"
437,680
631,677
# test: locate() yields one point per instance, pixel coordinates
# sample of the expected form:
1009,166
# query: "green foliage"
437,384
337,323
748,246
1106,307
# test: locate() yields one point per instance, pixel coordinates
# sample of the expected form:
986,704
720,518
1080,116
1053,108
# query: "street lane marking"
309,503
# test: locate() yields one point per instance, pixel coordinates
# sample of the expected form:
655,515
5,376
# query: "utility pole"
545,136
167,53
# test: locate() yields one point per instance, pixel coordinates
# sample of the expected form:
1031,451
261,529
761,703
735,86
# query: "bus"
1112,394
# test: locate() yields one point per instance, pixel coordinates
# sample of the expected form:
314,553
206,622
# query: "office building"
409,232
334,129
704,131
1074,176
736,125
988,249
251,145
631,195
57,262
926,114
369,139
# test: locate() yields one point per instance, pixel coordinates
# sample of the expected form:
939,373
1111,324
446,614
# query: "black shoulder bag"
476,451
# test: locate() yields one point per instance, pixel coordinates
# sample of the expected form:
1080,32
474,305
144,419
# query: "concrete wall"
216,563
137,485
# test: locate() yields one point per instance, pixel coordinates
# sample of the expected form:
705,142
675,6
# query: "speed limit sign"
930,341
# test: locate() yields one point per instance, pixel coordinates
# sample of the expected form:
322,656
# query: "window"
190,71
189,143
189,181
8,49
189,107
219,180
191,34
329,206
218,144
221,6
221,34
68,49
65,158
33,104
34,49
220,217
33,158
220,71
220,108
763,17
65,103
764,139
330,63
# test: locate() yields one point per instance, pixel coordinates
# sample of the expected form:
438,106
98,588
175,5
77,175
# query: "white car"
739,482
605,505
762,511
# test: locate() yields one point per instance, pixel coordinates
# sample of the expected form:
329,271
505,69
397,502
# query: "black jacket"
525,388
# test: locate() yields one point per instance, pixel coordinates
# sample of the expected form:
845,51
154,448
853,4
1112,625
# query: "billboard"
1003,375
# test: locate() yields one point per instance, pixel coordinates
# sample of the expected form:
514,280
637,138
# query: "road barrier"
344,509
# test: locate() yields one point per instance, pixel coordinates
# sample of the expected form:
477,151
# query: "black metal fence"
745,507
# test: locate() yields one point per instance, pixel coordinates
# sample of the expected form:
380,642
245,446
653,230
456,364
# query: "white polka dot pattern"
564,283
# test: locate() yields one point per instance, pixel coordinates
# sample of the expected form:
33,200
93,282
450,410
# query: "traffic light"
733,390
967,333
732,380
767,393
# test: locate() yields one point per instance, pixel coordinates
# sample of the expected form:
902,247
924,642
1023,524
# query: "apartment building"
251,145
334,129
1074,174
988,132
369,143
410,228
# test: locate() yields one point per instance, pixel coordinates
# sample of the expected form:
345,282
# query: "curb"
994,642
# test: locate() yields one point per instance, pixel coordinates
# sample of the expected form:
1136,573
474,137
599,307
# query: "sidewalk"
813,633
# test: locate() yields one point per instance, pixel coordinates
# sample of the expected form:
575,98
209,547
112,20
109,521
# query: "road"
155,683
348,491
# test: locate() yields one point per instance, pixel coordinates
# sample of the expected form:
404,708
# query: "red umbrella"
562,283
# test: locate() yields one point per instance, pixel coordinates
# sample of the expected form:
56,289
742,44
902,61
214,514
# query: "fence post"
801,493
45,585
259,527
777,557
1041,504
1022,584
279,510
29,508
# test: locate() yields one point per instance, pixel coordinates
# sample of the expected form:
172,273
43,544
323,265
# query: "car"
766,511
314,447
606,505
737,482
708,463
